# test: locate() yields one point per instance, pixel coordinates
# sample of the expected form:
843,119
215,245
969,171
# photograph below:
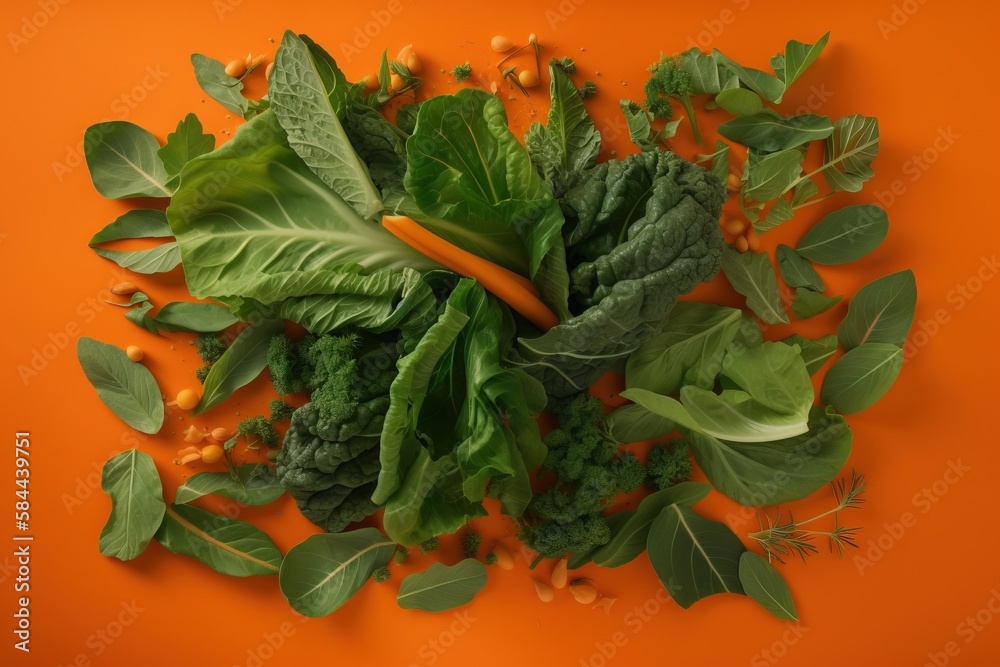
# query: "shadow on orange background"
913,594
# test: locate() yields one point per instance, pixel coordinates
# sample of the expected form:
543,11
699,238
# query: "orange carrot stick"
513,289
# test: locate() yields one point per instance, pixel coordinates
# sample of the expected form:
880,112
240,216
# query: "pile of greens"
423,389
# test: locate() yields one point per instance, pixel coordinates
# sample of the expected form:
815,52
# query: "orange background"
919,67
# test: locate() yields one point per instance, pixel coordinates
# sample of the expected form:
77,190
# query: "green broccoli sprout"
259,428
399,556
202,373
284,362
668,81
429,545
210,346
381,574
462,72
668,464
588,90
566,64
470,544
491,558
629,473
280,410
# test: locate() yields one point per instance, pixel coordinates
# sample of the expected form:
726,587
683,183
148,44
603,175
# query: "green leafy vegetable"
442,587
228,546
808,303
137,507
850,151
796,270
138,224
751,274
799,56
881,312
814,353
769,131
193,317
862,376
183,145
124,386
765,586
640,128
322,573
772,175
766,85
224,89
845,235
253,485
669,79
739,102
719,160
241,363
123,161
461,72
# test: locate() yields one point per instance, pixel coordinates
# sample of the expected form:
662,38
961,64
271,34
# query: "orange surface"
921,67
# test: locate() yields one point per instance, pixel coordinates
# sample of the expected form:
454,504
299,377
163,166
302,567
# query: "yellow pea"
560,574
124,289
753,239
527,78
190,458
370,81
134,352
413,63
236,68
187,399
500,44
544,591
395,82
268,70
735,226
211,454
742,244
404,54
584,591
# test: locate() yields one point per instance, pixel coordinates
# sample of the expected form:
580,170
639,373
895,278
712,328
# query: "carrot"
513,289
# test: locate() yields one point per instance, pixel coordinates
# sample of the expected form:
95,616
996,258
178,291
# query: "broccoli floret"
566,64
285,364
399,556
260,428
491,558
629,473
554,540
429,545
668,464
669,80
470,544
462,72
210,346
202,373
578,442
588,90
381,574
280,410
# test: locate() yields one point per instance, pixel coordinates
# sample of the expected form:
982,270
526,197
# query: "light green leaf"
127,387
639,121
137,507
814,353
766,85
634,423
749,334
141,318
804,190
780,212
766,586
719,159
628,539
224,89
708,76
881,312
796,270
227,546
307,111
183,145
845,235
862,376
769,131
771,176
322,573
442,587
194,317
239,364
752,275
693,556
123,161
849,153
739,101
163,257
253,485
135,224
799,56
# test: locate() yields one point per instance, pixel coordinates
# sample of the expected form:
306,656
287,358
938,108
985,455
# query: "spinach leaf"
253,485
808,303
799,56
689,350
224,89
769,131
628,539
845,235
442,587
239,364
881,312
751,274
719,159
379,143
765,586
796,270
862,376
814,352
231,547
567,146
772,175
308,111
123,161
183,145
193,317
693,556
322,573
849,153
739,101
127,387
137,507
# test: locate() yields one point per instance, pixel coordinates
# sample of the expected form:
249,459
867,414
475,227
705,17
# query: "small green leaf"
781,211
442,587
127,387
719,159
808,303
194,317
804,190
224,89
140,316
850,151
137,224
772,175
158,259
845,235
752,275
253,485
881,312
799,56
321,573
634,423
814,352
766,586
239,365
862,376
739,101
137,507
766,85
184,144
123,161
796,270
228,546
639,122
769,131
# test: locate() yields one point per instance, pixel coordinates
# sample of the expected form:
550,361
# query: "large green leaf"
307,110
127,387
845,235
881,312
708,75
771,175
688,351
739,101
814,353
231,547
693,556
751,274
137,507
123,161
239,364
442,587
224,89
765,586
183,145
322,573
769,131
862,376
252,485
193,317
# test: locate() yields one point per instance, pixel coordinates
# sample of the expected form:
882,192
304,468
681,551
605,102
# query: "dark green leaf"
739,101
770,176
766,85
708,76
123,161
184,144
881,312
194,317
442,587
137,507
693,556
749,334
766,586
799,56
808,303
639,122
239,365
796,270
228,546
752,275
769,131
322,573
719,159
862,376
804,190
845,235
253,485
125,386
814,352
224,89
780,212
